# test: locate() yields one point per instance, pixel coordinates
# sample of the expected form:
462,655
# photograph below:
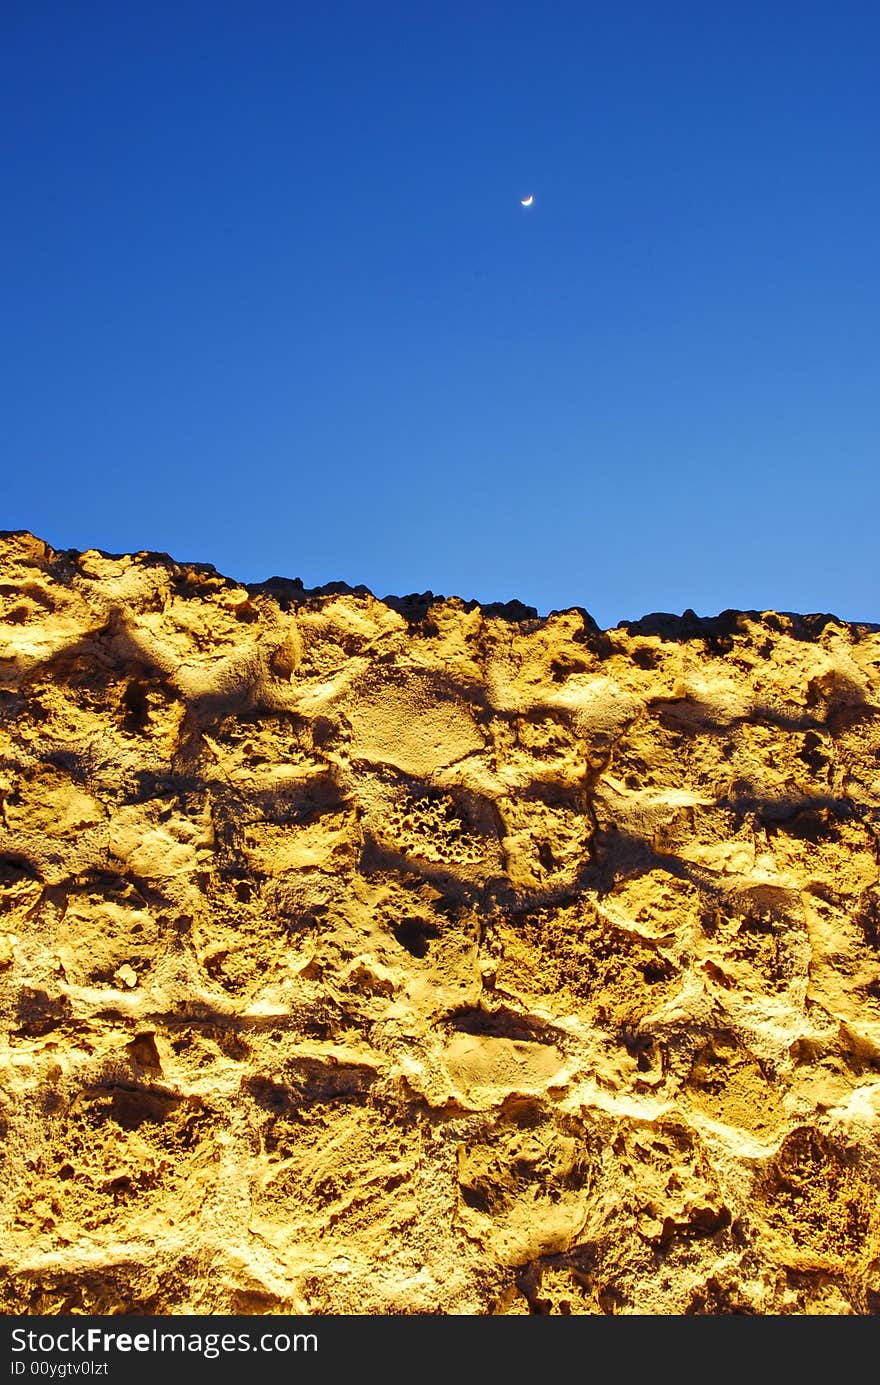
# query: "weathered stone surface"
401,956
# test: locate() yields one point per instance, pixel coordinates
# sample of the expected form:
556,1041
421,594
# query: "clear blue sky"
270,300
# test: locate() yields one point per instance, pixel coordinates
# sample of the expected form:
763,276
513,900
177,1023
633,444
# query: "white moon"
527,201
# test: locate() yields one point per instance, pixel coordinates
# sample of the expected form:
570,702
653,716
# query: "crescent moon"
527,201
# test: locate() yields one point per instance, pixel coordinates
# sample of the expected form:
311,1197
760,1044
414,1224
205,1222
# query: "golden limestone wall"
373,957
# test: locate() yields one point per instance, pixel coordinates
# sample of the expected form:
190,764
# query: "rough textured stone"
407,955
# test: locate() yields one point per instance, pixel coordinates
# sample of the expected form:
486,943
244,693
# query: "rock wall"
408,956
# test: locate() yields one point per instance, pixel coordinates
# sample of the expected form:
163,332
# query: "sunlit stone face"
400,961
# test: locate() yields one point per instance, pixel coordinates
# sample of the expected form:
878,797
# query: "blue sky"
270,300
